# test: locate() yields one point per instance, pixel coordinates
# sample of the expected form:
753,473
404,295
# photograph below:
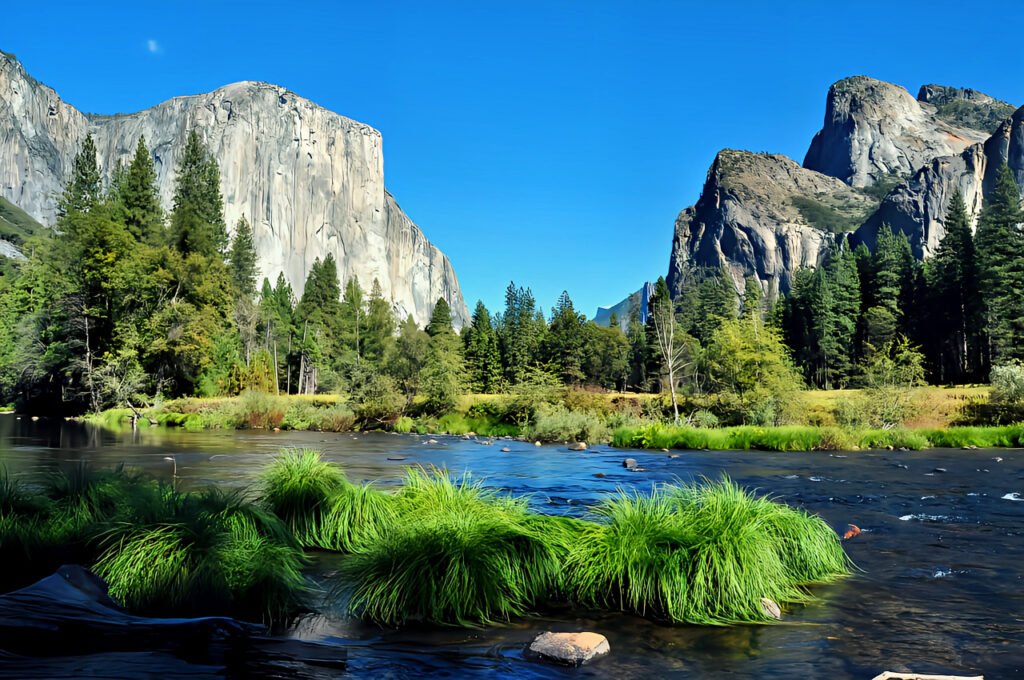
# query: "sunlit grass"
703,554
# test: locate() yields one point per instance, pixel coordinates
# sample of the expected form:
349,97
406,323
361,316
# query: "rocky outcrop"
311,182
874,130
762,215
918,206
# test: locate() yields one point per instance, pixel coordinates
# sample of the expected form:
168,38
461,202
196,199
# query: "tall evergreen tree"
518,333
565,340
197,219
483,359
84,190
243,260
440,319
1000,250
140,197
954,304
380,326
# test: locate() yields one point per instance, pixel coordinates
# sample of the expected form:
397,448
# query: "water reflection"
940,592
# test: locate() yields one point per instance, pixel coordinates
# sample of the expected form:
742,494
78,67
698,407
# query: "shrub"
1007,384
338,418
259,410
404,425
558,423
379,403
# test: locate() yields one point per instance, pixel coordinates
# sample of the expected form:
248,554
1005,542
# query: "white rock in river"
311,182
574,649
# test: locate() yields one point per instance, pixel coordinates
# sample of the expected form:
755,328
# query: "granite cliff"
310,181
881,157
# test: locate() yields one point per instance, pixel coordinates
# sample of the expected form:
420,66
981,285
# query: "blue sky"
548,142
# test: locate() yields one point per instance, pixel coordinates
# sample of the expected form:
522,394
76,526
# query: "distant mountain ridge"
311,182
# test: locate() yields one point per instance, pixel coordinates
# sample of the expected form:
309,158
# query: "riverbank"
623,420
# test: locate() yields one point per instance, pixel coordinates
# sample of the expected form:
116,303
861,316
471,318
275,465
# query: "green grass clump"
211,553
161,551
297,487
319,505
701,554
458,555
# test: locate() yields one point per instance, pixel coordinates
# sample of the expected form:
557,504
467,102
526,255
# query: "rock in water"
629,463
771,608
311,182
578,446
573,649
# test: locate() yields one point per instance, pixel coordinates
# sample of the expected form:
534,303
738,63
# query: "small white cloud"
152,46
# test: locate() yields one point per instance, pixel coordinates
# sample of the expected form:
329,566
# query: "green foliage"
749,363
139,196
197,219
242,259
701,554
1000,253
1007,383
161,551
483,359
459,556
556,423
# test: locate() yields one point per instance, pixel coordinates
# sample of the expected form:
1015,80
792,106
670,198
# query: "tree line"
122,302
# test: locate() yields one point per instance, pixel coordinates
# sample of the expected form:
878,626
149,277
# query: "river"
941,557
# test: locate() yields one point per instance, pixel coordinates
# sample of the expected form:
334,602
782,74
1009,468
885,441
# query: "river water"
941,557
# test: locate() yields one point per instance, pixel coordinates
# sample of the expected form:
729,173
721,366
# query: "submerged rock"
573,649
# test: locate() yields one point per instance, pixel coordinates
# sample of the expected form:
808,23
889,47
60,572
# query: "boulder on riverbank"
572,649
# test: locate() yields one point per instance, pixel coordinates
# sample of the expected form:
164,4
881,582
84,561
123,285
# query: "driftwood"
892,675
66,625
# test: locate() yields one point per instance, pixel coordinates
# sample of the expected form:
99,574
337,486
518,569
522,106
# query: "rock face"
311,182
874,129
882,157
762,214
918,206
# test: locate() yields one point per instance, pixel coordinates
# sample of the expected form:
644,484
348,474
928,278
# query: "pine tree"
243,260
380,326
844,283
483,360
519,333
197,220
440,319
565,340
83,190
140,197
1000,251
954,300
